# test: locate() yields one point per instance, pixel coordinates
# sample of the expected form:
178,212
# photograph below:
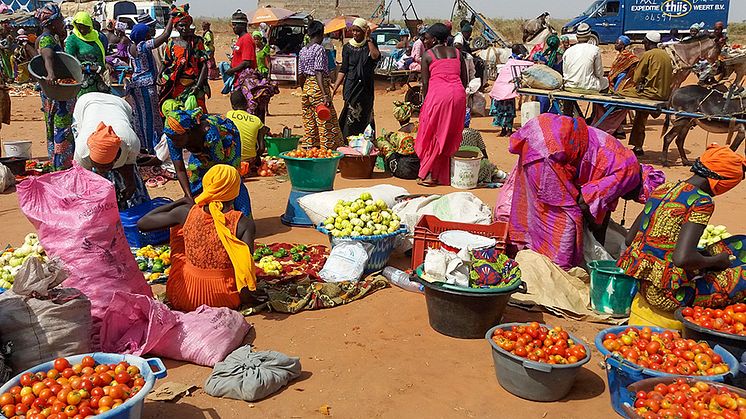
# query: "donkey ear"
186,7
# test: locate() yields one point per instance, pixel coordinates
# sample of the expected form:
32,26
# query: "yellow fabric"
643,314
248,126
222,183
84,18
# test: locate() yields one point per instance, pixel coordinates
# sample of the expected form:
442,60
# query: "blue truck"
609,19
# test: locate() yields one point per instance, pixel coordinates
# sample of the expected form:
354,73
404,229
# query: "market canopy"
268,15
343,22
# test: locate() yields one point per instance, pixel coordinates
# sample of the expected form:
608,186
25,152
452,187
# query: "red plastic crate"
429,227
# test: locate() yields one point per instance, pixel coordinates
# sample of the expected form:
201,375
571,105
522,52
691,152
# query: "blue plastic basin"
151,369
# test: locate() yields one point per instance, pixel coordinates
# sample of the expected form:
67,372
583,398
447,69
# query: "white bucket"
529,111
17,149
465,169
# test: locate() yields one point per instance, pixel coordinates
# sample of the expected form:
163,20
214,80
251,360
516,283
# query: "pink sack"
204,336
505,199
133,324
76,216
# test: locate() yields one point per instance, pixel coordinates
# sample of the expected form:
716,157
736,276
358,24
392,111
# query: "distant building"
325,9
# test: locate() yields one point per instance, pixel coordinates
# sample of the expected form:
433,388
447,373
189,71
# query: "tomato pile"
539,343
681,400
67,81
731,319
666,352
272,167
72,391
312,153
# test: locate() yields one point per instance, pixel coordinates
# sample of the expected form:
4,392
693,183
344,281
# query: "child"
251,129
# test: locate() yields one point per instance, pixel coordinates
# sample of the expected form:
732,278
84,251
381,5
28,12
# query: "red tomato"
61,364
88,361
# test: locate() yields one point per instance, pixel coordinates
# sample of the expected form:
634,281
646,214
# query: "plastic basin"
131,216
649,383
532,380
65,66
20,148
357,167
611,291
312,175
621,373
383,246
277,145
465,314
151,369
734,344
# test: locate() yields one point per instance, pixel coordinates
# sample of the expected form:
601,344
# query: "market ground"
377,357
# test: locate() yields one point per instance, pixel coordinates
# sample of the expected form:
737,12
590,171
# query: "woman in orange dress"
211,245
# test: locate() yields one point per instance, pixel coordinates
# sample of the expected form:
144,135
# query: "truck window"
612,8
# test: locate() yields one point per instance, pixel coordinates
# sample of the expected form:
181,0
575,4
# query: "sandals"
156,181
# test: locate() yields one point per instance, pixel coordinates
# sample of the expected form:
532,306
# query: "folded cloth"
227,79
250,376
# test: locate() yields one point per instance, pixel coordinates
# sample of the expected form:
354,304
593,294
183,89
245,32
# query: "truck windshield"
593,7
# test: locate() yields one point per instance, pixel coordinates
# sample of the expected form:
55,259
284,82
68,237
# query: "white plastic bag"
318,206
444,266
6,178
592,249
346,262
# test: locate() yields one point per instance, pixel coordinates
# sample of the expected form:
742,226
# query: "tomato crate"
429,227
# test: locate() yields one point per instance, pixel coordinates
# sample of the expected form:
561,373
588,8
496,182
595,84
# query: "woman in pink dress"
442,115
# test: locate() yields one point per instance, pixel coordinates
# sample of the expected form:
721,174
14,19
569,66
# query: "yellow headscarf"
84,18
222,183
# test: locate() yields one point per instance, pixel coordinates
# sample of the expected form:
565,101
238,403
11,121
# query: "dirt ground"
377,357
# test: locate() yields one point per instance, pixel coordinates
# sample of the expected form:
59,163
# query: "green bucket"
277,145
312,175
611,291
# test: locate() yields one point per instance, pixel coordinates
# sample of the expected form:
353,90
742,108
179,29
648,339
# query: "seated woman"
212,140
662,252
106,144
568,176
211,245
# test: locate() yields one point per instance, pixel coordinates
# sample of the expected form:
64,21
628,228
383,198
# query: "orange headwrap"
727,167
103,144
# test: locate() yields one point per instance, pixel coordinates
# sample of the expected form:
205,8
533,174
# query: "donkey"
706,101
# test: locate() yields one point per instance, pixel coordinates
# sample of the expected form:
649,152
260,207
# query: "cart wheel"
593,40
479,42
414,96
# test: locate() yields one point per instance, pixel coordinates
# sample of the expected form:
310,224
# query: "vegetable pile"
272,167
683,400
72,391
731,319
154,262
289,260
39,167
539,343
12,259
312,153
712,235
362,217
666,352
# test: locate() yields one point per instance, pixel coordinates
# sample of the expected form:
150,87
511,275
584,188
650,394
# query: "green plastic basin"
277,145
312,175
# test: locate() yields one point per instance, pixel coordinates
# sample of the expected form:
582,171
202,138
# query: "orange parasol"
343,22
268,15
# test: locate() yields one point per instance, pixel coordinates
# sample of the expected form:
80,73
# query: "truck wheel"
479,43
593,40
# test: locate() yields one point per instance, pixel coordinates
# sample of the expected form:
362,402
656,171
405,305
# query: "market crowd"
569,178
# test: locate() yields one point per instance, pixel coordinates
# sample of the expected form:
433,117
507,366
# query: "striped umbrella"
268,15
343,22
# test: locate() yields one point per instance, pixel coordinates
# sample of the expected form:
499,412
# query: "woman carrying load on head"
211,245
58,115
663,249
211,140
89,47
184,63
569,176
143,88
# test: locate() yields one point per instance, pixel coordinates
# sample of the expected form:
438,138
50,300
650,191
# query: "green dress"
262,56
88,53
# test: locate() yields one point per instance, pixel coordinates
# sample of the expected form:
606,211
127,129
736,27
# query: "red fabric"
244,50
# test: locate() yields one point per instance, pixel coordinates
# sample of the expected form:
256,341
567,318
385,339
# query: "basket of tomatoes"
313,169
536,362
725,327
634,353
667,397
109,386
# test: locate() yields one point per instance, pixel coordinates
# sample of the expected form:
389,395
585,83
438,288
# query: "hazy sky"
442,8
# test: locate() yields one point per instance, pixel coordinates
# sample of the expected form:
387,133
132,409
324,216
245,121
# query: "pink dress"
441,119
